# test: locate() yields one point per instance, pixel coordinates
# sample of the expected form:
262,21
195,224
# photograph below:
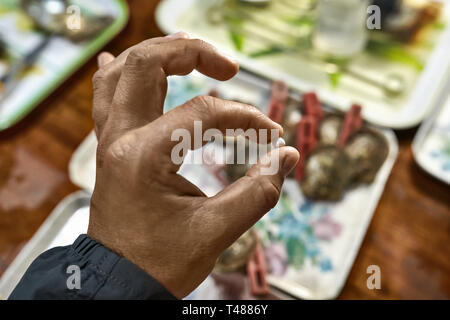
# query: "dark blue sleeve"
103,275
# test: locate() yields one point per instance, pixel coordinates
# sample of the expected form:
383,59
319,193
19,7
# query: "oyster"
329,129
325,174
367,152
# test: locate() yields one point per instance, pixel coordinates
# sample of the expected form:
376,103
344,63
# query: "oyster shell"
367,152
329,129
325,174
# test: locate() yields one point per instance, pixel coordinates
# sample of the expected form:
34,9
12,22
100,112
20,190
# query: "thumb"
244,202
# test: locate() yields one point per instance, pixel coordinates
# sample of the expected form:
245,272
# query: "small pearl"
280,143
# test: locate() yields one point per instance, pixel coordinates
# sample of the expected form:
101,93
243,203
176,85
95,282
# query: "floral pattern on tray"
291,234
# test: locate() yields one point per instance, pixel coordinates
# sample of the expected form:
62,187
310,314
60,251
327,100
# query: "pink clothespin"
352,123
312,106
278,100
257,271
306,141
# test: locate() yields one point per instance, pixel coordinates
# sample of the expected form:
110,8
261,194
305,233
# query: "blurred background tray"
58,60
66,222
431,145
422,66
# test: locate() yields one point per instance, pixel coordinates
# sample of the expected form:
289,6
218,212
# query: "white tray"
57,61
405,111
66,222
431,145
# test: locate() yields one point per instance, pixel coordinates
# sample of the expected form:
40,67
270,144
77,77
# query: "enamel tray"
404,111
319,240
57,62
431,145
67,221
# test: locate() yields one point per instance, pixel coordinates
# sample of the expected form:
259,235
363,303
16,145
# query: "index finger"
140,93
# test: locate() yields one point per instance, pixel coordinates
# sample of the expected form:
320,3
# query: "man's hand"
141,208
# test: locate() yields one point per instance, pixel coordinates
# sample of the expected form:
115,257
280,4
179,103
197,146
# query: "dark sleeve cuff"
103,275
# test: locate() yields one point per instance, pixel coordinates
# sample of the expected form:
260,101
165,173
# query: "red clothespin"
306,141
278,100
352,123
276,110
257,271
312,105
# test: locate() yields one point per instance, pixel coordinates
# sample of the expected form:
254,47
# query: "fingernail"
101,59
178,35
289,163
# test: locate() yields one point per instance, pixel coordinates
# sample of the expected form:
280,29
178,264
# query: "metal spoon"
49,16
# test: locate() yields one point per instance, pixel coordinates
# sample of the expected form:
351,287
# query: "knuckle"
143,55
135,55
149,42
120,151
193,46
199,43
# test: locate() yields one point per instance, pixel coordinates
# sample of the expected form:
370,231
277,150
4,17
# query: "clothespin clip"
278,100
257,271
312,106
352,123
306,141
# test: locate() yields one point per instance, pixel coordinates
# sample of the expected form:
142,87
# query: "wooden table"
408,238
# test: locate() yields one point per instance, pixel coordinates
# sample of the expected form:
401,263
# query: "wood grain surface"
408,238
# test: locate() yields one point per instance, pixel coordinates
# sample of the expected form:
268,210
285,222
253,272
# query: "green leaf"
335,79
303,21
266,52
238,40
394,52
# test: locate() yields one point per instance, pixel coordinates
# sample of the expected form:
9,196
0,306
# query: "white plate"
431,145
